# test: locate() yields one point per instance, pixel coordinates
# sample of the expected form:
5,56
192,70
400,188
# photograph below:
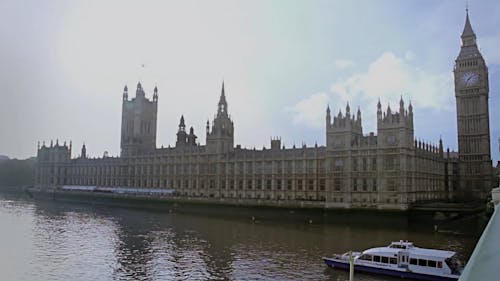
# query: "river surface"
45,240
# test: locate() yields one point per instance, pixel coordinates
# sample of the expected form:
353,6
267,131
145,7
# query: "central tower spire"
221,138
222,109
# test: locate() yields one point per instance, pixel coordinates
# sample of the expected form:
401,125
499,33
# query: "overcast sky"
63,66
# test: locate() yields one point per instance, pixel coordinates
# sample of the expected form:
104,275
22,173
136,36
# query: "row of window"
266,196
428,263
393,260
300,185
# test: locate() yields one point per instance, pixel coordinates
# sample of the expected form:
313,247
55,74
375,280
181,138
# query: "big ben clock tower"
471,92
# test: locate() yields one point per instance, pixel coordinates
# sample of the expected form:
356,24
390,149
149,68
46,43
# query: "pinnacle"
467,28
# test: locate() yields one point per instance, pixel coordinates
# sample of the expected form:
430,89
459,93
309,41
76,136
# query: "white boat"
402,259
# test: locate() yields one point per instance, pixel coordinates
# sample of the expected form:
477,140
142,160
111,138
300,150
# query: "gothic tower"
471,93
221,138
181,134
138,122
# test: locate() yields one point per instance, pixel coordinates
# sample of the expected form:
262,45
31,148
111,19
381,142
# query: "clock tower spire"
471,93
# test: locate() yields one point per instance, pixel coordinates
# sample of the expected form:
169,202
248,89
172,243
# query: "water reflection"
57,241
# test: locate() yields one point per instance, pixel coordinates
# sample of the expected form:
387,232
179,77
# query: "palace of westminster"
387,170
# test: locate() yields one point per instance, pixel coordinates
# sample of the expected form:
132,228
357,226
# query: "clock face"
470,78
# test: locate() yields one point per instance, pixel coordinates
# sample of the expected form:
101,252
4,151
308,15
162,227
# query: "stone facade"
386,170
138,122
473,122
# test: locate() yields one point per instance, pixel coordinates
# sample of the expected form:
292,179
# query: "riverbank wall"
433,214
307,212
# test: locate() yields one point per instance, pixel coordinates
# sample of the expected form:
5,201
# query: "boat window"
440,264
422,262
376,258
413,261
366,257
431,263
385,259
393,261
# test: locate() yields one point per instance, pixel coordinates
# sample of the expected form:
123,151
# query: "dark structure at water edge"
389,170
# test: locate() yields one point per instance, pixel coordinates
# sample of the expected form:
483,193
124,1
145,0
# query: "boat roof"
442,254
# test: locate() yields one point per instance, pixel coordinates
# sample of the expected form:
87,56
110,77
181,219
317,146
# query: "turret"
208,127
401,106
379,110
182,125
155,94
181,133
441,152
139,93
222,106
275,143
125,93
328,116
221,138
191,138
84,152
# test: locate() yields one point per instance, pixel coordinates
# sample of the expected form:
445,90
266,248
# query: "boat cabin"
404,254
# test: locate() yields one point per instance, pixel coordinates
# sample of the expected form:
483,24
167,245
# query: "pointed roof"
222,95
139,92
467,28
469,47
181,124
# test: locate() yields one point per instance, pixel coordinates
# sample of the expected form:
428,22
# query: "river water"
45,240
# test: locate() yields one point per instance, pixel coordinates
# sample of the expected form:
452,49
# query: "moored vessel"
402,259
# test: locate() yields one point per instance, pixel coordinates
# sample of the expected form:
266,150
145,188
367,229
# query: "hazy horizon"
65,65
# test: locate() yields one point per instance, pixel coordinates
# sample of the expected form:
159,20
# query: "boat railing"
345,256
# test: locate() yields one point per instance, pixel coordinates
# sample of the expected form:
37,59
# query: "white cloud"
343,64
388,77
310,111
409,55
